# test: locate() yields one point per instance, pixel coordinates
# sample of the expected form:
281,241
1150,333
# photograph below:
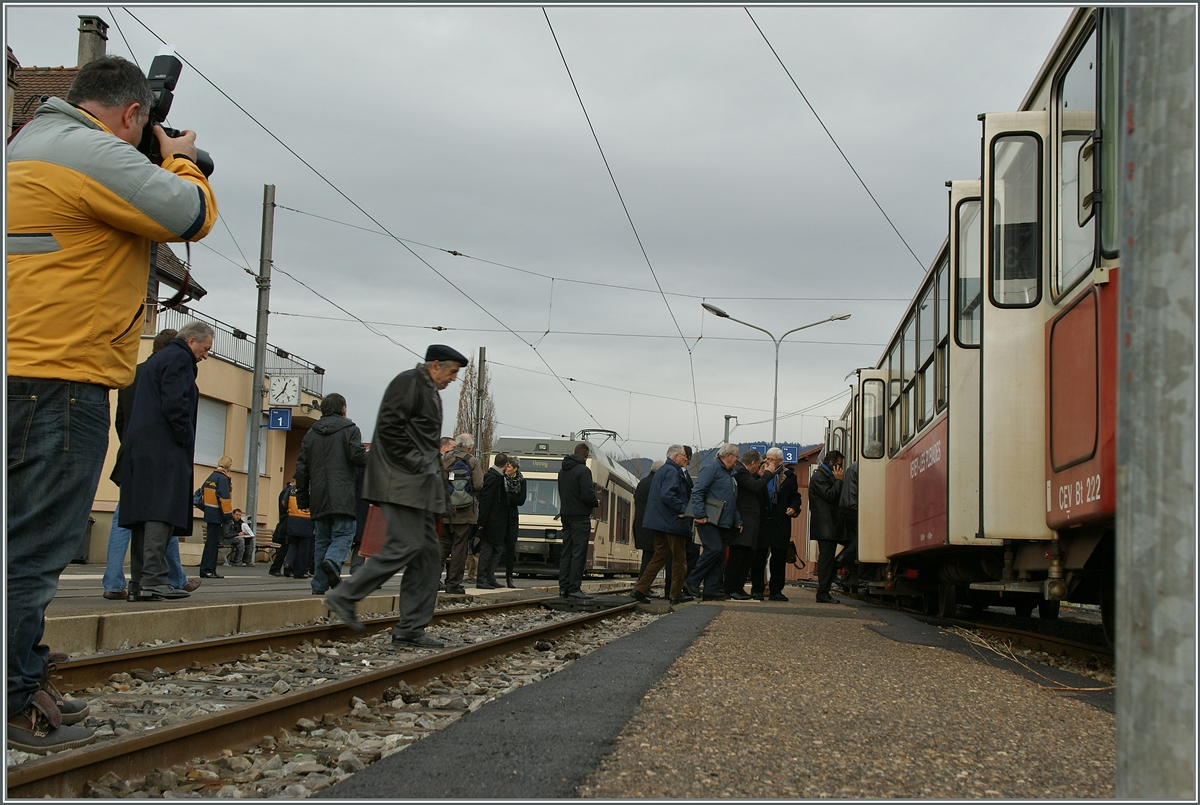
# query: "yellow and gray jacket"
83,208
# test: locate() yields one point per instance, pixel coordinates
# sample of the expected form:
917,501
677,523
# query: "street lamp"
716,311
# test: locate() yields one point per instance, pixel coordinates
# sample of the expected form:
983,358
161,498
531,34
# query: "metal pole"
727,418
775,408
1156,404
260,353
479,402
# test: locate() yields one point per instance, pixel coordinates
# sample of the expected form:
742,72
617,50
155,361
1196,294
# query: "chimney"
93,34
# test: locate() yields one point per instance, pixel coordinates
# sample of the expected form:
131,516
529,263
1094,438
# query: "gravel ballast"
800,700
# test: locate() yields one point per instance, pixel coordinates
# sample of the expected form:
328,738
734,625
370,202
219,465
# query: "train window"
623,520
872,419
909,366
1077,121
943,330
1110,116
969,254
839,440
895,401
1016,225
601,511
541,497
926,340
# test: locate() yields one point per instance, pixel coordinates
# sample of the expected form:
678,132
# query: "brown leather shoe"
191,585
39,728
123,595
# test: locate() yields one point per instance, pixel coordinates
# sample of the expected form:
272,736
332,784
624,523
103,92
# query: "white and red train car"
985,435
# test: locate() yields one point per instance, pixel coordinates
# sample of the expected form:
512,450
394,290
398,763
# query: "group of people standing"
740,509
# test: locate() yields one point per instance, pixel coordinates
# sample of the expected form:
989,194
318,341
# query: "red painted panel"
1085,494
916,493
1073,383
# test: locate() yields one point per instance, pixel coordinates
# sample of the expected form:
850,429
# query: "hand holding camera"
184,144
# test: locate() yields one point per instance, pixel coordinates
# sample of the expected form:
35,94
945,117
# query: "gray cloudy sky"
459,128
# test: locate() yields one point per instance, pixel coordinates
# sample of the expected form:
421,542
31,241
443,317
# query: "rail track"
1027,638
242,725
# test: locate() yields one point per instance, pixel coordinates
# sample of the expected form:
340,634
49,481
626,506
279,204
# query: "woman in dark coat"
514,484
493,523
159,448
752,477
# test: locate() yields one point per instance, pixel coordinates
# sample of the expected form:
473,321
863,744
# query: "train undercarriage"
1026,576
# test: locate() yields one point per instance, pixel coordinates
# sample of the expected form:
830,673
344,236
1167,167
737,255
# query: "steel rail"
1034,641
65,775
91,671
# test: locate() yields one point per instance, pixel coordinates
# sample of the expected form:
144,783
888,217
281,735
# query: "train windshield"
541,496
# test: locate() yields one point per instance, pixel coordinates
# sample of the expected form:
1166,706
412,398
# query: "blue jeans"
57,438
332,536
707,572
118,547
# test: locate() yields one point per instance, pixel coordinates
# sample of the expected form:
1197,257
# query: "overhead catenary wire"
625,207
371,218
593,283
834,140
442,328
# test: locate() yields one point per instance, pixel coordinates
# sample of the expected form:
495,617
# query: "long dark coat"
824,492
778,525
160,441
493,508
517,491
404,464
643,538
751,504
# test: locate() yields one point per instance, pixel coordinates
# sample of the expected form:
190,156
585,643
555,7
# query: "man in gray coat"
405,479
325,486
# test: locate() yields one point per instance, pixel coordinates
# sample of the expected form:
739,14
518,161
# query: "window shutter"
210,431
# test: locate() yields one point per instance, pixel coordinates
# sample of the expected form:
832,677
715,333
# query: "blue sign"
279,419
791,452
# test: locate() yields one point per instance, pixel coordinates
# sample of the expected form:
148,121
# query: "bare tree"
467,420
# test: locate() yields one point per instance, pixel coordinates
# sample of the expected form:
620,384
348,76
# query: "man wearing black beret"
404,478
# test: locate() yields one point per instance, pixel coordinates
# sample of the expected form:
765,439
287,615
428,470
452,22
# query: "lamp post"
716,311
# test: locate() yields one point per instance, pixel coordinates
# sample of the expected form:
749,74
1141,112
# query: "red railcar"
985,435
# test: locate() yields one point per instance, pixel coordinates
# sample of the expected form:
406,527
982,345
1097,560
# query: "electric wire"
615,286
113,17
834,140
371,218
442,328
625,207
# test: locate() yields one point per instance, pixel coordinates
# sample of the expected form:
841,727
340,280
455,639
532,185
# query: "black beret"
441,352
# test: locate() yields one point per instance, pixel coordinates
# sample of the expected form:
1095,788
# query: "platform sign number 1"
279,419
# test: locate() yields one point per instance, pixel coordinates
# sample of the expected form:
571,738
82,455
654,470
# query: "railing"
237,347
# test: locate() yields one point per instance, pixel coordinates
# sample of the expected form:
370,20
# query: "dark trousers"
849,522
647,555
300,555
148,556
691,553
212,544
454,547
828,549
281,552
575,533
706,575
776,547
489,560
411,545
668,550
740,558
510,555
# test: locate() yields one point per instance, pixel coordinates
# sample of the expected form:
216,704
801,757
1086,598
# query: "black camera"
164,72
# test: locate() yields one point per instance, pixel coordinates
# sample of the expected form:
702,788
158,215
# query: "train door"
965,525
870,413
1012,383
